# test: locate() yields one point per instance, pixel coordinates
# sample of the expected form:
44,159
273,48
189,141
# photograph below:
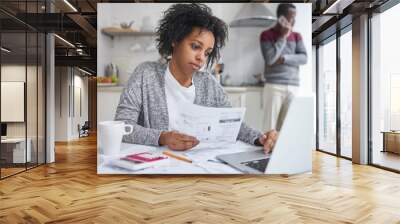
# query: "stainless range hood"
254,15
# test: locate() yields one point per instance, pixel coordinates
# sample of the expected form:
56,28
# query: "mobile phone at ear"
283,21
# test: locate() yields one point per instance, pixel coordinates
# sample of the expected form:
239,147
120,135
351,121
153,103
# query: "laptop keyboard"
259,165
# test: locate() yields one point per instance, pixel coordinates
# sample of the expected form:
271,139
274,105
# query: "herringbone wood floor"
70,191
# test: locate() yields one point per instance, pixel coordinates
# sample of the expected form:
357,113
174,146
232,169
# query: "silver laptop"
293,150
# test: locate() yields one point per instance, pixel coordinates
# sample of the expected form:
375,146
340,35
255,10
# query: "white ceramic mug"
110,136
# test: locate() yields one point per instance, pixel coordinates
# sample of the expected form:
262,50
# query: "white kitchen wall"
103,52
126,52
303,26
241,55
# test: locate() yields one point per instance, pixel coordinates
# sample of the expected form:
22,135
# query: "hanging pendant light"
254,15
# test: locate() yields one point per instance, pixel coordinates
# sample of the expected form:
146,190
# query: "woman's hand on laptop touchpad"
268,140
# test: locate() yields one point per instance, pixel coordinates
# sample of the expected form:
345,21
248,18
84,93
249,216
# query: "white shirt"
176,93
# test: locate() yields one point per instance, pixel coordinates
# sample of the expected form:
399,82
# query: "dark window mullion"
37,92
26,87
369,89
317,95
338,98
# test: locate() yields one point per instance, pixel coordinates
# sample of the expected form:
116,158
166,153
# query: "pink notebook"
140,161
145,157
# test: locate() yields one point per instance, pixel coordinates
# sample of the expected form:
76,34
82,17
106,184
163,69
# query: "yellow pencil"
177,157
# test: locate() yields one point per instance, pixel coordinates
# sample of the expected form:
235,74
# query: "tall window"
346,94
327,97
385,85
395,101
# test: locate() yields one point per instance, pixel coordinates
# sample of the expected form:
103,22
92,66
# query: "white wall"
121,50
241,55
61,103
50,93
80,84
103,52
68,81
12,73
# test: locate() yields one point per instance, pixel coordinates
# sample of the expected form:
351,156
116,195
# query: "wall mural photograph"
204,88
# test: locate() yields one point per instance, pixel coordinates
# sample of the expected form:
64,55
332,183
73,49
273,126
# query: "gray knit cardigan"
143,103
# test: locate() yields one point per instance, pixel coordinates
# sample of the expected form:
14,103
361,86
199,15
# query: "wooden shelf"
107,84
116,31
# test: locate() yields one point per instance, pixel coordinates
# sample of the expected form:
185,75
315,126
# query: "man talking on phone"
283,51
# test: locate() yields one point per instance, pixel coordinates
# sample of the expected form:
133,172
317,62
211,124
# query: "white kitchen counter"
254,88
110,88
235,89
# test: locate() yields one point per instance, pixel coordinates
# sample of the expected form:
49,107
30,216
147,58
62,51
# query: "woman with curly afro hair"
189,37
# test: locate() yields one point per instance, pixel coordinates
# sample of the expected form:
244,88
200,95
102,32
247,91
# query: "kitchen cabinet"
251,98
237,96
108,99
254,116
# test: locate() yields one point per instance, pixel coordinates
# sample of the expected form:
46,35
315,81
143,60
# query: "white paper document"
210,124
203,160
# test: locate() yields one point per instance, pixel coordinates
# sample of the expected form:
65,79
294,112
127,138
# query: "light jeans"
275,98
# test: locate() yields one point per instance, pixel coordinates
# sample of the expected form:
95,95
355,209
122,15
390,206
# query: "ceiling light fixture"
70,5
253,15
5,50
64,40
337,7
86,72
